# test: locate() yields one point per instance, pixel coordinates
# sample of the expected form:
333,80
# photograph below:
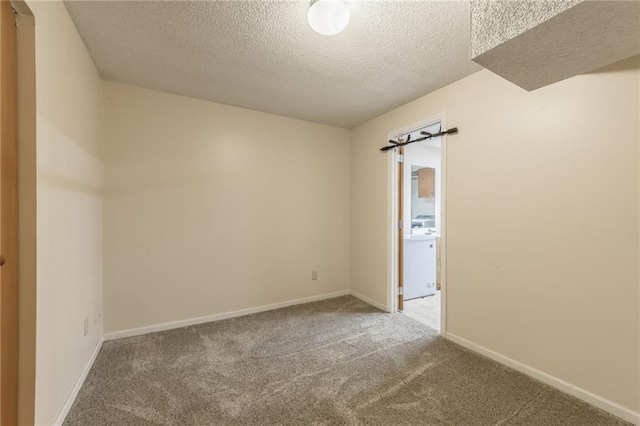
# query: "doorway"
417,201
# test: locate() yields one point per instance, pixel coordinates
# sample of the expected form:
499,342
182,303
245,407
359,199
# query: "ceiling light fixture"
328,17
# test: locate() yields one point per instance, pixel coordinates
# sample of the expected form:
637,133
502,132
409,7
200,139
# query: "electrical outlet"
314,275
86,327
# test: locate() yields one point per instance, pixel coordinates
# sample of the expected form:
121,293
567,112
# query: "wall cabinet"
426,182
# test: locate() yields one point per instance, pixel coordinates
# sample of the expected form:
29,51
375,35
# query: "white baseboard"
78,385
217,317
369,301
595,400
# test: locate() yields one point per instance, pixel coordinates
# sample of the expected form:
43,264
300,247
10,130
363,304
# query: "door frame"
8,215
394,234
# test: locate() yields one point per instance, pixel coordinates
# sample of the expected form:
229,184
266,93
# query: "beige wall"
211,208
542,221
69,198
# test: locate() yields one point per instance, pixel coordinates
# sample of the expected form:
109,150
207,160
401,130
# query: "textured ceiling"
537,44
263,55
495,22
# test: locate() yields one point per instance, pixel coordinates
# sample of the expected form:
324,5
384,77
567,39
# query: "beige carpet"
335,362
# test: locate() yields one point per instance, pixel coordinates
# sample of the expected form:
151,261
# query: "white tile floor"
424,309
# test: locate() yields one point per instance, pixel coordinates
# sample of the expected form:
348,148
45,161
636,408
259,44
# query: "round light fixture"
328,17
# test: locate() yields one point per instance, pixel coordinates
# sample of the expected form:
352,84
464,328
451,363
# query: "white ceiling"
263,55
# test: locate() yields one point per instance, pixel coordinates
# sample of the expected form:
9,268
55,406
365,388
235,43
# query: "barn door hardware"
427,135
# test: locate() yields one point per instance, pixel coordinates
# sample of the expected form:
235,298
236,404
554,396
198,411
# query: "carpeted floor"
335,362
